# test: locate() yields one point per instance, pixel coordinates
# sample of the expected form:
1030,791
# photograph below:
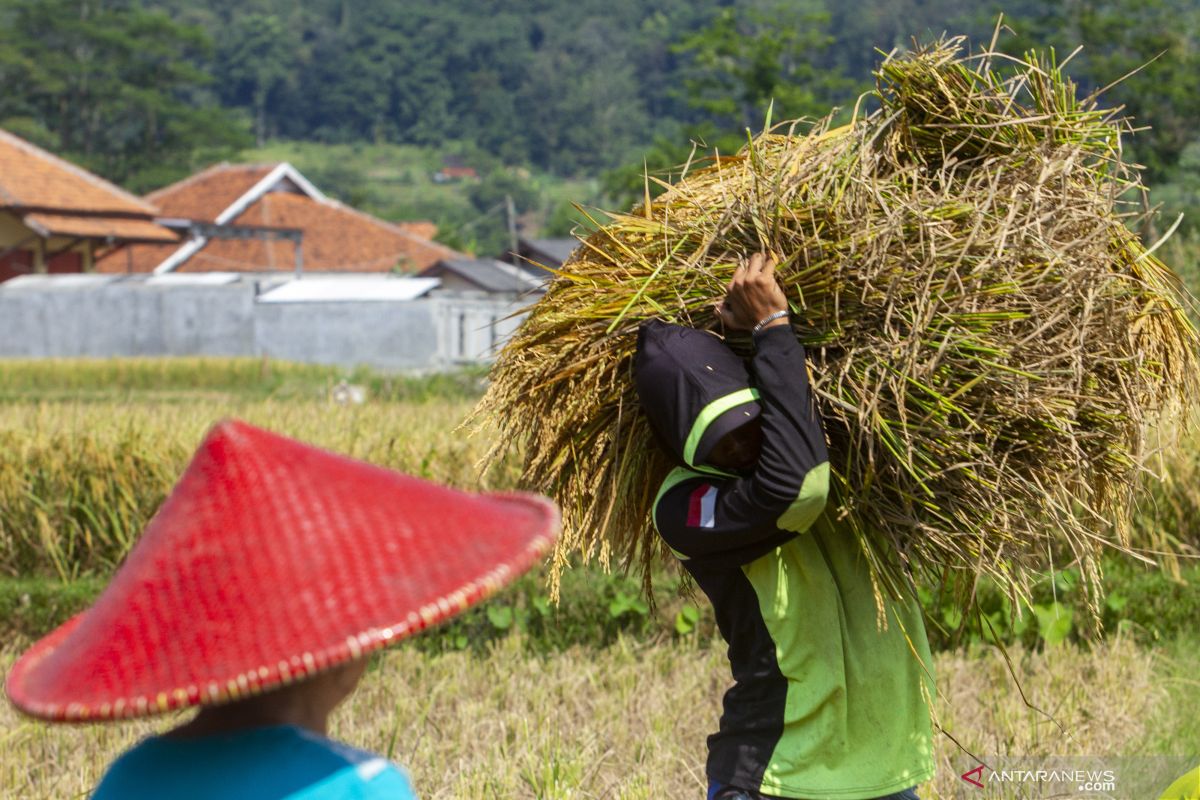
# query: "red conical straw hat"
272,560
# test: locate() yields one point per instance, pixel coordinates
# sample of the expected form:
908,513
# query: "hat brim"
291,667
728,422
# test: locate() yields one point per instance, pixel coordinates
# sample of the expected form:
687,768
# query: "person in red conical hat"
256,592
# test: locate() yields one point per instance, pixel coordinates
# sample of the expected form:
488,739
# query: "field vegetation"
607,695
628,720
610,693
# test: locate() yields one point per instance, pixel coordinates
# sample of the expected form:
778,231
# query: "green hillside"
397,182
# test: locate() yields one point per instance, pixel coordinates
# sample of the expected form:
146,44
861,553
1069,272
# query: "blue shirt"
270,763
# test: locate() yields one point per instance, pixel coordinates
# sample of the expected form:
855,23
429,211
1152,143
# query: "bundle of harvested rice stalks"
987,339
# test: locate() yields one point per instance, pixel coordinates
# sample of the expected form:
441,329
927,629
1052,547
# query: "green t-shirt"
856,720
828,701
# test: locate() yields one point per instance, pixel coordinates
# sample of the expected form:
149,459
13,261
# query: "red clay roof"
99,227
337,238
423,228
206,194
32,178
136,258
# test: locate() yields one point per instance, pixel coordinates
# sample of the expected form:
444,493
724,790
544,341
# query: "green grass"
30,607
1146,604
596,608
161,379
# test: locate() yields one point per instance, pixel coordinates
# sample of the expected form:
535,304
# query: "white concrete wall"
126,317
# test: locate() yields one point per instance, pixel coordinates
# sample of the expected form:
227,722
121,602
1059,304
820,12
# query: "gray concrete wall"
473,329
393,336
127,317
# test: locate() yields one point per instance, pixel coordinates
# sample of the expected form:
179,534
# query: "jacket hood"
693,388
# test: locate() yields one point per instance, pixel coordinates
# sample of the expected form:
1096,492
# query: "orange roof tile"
32,178
337,238
423,228
206,194
135,258
98,227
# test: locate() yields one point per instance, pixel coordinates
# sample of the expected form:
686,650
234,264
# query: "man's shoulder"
680,483
316,743
374,777
363,774
274,762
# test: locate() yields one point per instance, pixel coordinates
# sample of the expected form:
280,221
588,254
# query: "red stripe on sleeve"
696,505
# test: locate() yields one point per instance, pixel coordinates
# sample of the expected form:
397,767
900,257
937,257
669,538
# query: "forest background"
549,102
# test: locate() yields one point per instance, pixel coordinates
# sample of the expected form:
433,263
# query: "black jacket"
825,702
694,389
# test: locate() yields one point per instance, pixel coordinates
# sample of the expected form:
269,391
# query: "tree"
742,61
1154,43
120,88
252,61
490,198
581,106
1146,51
1182,193
762,53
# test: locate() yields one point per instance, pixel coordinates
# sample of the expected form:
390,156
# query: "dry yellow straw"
988,341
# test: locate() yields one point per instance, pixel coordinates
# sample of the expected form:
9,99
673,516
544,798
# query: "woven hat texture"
272,560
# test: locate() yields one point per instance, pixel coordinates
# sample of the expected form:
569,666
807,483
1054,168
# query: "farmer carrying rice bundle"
975,350
825,703
256,593
988,343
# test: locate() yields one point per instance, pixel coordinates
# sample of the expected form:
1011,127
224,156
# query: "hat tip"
228,425
232,429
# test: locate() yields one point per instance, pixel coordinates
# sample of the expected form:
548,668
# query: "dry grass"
988,342
629,721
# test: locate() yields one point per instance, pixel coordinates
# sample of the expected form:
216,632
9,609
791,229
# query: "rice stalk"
80,481
988,341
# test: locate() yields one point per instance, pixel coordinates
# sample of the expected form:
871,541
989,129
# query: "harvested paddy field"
629,720
603,697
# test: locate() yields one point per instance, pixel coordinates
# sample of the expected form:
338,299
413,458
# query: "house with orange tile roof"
267,201
57,217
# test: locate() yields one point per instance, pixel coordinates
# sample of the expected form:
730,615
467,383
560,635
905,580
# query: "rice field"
83,466
628,722
79,480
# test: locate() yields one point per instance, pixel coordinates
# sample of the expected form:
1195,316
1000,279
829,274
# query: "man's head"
738,450
306,703
696,393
